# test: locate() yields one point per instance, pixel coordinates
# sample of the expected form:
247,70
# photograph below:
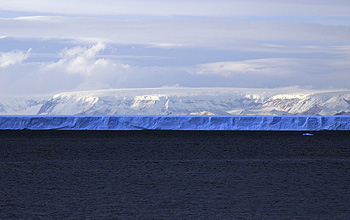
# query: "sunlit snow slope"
199,101
22,105
182,101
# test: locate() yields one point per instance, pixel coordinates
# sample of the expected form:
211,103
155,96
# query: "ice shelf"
161,122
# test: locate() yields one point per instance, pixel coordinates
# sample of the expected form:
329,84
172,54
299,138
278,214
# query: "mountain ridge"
184,101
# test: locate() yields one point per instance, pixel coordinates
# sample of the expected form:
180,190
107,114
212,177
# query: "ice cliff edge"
161,122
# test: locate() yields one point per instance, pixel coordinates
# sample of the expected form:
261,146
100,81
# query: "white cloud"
263,67
93,67
82,68
80,60
224,33
299,53
13,57
184,7
277,67
302,49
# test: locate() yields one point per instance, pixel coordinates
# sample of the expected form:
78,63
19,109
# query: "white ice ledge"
161,122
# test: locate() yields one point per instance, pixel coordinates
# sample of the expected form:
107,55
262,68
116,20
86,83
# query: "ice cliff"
158,122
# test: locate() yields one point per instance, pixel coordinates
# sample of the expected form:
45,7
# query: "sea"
174,175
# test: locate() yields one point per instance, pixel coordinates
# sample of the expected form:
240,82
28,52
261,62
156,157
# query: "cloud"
80,60
274,67
196,42
225,8
263,67
83,68
78,68
13,57
218,33
308,47
275,72
86,67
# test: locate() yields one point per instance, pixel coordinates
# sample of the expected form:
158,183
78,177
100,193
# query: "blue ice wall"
161,122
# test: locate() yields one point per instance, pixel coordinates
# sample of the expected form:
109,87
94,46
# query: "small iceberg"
307,134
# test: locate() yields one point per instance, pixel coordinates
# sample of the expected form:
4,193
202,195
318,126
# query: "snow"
199,101
182,101
161,122
22,104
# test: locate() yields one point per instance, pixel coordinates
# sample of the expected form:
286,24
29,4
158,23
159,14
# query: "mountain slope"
201,101
22,105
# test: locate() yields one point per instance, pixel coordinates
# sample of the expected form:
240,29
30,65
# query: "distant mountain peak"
184,101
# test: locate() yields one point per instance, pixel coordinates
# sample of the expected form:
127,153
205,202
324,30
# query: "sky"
49,46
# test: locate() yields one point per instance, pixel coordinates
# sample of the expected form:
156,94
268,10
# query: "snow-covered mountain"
182,101
22,105
197,101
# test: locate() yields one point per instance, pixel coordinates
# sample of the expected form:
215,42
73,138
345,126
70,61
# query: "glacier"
173,122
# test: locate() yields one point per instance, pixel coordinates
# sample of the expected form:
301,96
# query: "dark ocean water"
174,175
